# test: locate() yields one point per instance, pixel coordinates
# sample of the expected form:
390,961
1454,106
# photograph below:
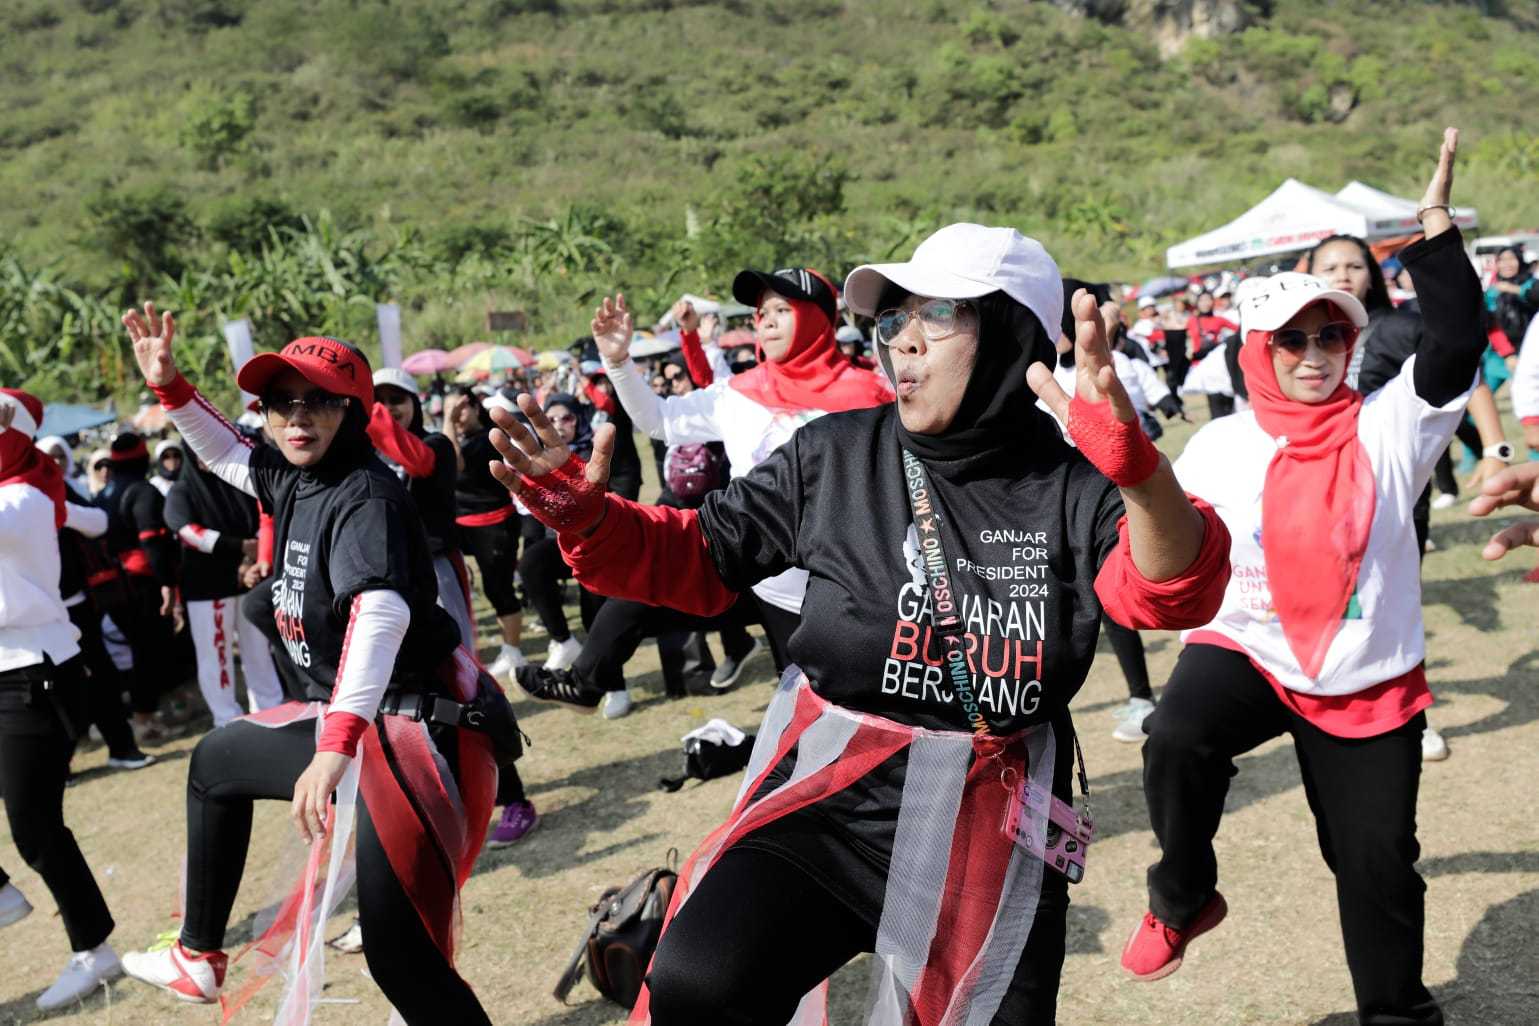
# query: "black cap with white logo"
793,283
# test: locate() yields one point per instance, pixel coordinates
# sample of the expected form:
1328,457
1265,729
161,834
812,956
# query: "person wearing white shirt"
42,696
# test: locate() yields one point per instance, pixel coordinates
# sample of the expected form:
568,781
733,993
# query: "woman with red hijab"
801,376
1320,631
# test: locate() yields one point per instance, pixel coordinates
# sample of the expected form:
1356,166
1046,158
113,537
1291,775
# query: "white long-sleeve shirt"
33,620
748,430
1525,380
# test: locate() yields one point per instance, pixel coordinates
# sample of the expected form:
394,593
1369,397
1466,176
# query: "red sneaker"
1155,949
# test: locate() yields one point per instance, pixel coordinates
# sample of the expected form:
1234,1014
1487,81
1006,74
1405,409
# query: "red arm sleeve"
266,537
600,399
1501,343
407,450
695,360
1189,600
652,554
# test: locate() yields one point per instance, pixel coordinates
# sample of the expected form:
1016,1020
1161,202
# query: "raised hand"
558,487
151,335
1100,418
1434,211
612,327
685,316
1513,486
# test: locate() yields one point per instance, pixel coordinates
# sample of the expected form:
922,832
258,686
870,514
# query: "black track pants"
241,762
1363,795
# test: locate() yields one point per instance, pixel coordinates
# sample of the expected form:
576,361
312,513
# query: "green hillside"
296,160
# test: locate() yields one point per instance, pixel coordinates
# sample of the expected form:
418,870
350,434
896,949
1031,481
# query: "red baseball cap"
329,363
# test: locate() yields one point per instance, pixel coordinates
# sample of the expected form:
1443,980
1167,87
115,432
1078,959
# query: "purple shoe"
518,818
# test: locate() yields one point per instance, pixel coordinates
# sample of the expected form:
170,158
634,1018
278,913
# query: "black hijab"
998,413
582,442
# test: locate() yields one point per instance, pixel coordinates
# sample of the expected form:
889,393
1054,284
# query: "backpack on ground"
621,935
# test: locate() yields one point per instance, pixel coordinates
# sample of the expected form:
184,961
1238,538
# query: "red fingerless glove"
564,499
1118,449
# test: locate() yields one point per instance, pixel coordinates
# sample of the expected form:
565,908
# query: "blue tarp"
69,419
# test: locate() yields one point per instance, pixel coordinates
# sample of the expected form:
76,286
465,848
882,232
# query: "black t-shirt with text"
338,536
1024,533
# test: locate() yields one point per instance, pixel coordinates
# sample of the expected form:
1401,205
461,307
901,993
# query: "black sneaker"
731,669
561,686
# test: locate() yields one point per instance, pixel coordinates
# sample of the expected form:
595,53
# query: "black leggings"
495,548
544,574
1129,649
150,639
240,762
35,749
104,687
1362,792
759,933
621,625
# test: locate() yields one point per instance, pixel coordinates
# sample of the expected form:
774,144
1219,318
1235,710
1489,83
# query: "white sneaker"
1130,720
562,654
14,906
349,943
1433,747
508,661
86,971
1444,500
194,979
617,704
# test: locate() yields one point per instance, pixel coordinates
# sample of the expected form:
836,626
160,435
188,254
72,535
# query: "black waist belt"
424,708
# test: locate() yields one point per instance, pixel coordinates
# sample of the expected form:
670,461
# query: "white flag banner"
389,315
237,335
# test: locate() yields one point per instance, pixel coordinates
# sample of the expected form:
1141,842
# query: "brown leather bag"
621,935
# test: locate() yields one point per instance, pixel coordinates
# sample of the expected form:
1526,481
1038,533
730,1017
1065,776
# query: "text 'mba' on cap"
965,261
1266,304
327,363
793,283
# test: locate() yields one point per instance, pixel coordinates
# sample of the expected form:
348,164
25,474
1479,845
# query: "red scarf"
813,374
23,463
1316,507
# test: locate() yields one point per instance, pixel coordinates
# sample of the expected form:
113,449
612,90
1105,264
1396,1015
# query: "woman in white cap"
958,557
1320,633
168,465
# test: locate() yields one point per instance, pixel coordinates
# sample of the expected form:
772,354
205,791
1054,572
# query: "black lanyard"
945,603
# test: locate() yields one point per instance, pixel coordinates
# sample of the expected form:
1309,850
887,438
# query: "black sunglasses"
284,405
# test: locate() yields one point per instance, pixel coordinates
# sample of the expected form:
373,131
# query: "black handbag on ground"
714,750
621,935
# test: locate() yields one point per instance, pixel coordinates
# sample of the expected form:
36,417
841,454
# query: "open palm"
151,334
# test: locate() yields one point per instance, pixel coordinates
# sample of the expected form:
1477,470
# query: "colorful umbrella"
497,358
460,354
427,361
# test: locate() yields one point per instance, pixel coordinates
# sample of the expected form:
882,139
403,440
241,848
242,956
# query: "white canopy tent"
1296,216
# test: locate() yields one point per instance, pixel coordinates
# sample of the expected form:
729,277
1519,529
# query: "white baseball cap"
965,261
498,401
1147,303
848,333
395,377
1266,304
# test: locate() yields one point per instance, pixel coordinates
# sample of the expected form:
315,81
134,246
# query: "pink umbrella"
427,361
459,354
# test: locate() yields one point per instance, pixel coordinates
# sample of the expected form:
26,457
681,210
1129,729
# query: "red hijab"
813,374
23,463
1316,506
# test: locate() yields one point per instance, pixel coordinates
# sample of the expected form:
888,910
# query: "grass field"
1277,960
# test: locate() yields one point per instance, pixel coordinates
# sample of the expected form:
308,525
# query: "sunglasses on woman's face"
1333,339
284,405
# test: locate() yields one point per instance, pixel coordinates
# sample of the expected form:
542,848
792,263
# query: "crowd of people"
929,534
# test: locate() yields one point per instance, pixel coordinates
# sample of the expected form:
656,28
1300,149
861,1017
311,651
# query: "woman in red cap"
1320,631
355,604
958,557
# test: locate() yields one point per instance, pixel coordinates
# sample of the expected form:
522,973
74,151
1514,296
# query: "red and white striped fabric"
416,805
961,897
